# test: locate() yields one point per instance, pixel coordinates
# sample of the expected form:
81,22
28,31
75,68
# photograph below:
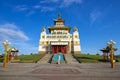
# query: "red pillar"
61,48
64,49
10,56
57,48
52,49
15,55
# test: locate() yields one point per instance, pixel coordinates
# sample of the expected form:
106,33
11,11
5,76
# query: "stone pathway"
83,71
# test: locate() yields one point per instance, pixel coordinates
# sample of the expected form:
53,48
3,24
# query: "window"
59,32
47,36
76,36
47,43
43,36
41,42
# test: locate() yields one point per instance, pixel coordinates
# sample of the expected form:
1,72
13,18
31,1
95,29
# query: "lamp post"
6,44
111,44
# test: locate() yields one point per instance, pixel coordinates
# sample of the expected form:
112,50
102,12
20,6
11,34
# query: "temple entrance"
59,48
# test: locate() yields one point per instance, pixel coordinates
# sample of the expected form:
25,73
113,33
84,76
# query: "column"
57,48
62,48
65,48
52,49
49,49
69,47
16,55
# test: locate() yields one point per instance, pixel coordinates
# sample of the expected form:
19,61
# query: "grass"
117,58
1,60
89,58
27,58
30,58
85,58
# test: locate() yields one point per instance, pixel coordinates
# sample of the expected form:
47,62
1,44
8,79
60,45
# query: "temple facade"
59,39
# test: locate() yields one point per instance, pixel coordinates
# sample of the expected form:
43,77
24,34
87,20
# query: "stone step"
45,59
70,59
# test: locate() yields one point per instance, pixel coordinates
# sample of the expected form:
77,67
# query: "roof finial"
59,17
75,28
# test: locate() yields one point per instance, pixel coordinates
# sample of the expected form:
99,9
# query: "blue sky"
98,21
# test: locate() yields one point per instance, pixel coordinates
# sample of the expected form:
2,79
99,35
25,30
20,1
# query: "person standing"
59,59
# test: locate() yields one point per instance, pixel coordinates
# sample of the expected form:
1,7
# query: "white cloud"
30,13
23,47
46,9
47,5
21,8
17,38
95,15
67,3
37,6
58,4
48,1
11,32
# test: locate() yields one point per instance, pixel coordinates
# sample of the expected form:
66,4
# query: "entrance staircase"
70,59
45,59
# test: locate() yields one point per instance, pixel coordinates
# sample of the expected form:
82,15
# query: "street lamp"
110,45
6,44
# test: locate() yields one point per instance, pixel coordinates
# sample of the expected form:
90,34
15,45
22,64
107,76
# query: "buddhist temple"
59,39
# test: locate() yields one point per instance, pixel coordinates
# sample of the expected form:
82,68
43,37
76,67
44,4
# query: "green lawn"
89,58
85,58
27,58
1,60
117,58
30,58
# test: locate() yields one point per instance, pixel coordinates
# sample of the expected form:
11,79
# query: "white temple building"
59,39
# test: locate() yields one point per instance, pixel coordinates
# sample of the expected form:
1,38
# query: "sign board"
59,43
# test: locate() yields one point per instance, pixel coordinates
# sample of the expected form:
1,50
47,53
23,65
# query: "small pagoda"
12,54
106,53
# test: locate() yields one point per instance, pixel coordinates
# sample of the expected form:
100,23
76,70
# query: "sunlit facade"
59,39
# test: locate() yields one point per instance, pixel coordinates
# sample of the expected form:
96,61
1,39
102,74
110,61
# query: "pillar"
69,47
52,49
57,48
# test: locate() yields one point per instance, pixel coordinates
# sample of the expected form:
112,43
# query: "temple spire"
59,21
59,16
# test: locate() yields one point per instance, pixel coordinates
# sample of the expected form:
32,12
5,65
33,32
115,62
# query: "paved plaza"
83,71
